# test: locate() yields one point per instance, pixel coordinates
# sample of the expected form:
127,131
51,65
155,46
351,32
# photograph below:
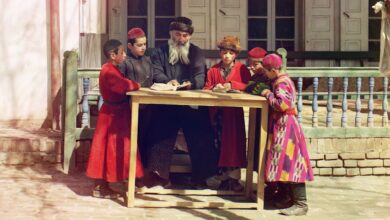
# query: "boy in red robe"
229,124
110,149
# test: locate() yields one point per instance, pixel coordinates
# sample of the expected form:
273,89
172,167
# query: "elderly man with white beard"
180,62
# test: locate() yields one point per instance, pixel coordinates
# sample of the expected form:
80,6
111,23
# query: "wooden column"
55,66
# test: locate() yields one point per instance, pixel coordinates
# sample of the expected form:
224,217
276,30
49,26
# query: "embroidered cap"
272,61
135,33
257,52
182,24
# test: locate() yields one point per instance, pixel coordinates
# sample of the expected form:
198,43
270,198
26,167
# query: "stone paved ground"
44,192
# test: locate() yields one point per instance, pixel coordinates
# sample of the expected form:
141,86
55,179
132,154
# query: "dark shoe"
152,179
299,207
283,203
282,199
103,191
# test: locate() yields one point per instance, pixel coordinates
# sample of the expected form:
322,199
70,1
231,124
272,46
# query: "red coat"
233,148
110,150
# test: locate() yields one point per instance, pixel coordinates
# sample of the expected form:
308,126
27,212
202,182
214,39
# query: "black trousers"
144,126
195,122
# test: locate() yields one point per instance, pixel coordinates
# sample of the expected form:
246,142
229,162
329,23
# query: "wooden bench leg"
69,146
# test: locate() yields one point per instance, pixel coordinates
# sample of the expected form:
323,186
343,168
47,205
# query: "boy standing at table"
228,122
110,149
139,68
287,158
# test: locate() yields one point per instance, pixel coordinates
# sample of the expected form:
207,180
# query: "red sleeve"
119,84
242,78
209,85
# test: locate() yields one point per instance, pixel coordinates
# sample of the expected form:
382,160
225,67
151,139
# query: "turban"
272,61
182,24
230,43
257,53
135,33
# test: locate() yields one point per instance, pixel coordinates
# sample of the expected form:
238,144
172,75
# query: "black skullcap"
182,24
111,46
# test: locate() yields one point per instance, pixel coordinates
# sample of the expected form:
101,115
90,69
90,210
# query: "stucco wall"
25,58
23,55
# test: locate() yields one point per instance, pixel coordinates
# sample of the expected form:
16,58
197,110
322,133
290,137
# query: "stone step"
19,146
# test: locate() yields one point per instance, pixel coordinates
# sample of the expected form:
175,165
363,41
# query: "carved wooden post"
299,106
370,116
344,103
385,117
315,104
283,52
85,105
70,109
329,105
358,102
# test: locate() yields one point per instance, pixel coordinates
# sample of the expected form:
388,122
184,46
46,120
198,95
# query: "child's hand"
227,86
265,92
218,86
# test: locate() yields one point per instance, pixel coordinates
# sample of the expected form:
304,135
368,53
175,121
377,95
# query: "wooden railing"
315,125
346,96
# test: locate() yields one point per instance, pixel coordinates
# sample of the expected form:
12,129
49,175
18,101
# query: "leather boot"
299,206
283,197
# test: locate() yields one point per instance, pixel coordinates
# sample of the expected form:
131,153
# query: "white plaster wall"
23,59
25,55
69,25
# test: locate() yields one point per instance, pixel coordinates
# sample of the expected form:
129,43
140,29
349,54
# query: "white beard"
178,52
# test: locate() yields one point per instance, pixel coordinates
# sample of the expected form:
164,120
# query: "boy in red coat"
110,150
228,74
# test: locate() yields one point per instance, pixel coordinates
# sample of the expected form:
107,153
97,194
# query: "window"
272,24
374,27
153,16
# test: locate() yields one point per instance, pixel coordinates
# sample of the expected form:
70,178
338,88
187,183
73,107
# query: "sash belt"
119,102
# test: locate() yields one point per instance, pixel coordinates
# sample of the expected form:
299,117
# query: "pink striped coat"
287,158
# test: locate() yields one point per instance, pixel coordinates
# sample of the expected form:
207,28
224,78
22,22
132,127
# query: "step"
20,146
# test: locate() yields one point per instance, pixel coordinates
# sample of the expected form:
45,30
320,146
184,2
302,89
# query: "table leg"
262,147
134,106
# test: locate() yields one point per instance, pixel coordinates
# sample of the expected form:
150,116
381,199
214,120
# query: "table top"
196,97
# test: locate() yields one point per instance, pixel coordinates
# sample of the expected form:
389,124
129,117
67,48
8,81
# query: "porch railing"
342,99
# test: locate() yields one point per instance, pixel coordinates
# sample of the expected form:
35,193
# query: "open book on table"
167,86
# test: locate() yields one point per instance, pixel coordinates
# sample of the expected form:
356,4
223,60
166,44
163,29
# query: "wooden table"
203,98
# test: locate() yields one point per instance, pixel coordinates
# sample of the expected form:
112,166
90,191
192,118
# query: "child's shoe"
103,191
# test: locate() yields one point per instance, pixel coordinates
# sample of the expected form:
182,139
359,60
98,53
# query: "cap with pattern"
272,61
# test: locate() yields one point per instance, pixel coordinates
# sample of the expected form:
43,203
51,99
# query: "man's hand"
173,82
186,85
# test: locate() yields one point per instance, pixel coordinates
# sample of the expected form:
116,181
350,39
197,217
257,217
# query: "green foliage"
256,88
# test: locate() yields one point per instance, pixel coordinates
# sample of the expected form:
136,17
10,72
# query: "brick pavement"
44,192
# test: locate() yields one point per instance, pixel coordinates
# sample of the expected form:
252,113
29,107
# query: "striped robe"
287,158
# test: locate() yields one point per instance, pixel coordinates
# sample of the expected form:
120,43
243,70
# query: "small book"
225,90
166,87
